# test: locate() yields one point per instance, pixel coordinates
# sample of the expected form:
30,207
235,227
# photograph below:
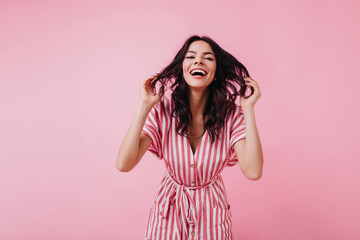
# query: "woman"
198,131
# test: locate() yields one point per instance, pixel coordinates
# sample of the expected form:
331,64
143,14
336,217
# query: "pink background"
70,76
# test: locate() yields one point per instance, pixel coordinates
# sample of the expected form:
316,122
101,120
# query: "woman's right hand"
148,94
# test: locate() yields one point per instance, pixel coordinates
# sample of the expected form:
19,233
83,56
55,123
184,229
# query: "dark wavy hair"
222,92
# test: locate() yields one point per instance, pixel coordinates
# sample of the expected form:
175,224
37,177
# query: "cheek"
184,67
214,69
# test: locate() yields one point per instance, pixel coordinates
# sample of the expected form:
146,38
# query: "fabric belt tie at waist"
182,198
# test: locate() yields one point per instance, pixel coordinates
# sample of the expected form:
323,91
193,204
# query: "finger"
148,86
152,80
153,77
249,79
147,82
250,84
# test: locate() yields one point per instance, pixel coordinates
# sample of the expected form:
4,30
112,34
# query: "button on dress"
191,202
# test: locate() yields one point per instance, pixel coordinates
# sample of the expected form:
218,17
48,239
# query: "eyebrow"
203,52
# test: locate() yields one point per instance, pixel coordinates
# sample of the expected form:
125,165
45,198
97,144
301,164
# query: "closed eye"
205,58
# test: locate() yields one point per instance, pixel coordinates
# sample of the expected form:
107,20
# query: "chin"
195,83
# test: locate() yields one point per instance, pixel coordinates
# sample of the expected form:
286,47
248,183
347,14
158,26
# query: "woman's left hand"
249,101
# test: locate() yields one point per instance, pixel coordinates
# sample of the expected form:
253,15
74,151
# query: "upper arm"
152,132
144,144
239,148
126,165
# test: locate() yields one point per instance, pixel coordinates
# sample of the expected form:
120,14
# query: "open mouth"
198,73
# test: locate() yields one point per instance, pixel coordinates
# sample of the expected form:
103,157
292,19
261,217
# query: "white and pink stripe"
191,202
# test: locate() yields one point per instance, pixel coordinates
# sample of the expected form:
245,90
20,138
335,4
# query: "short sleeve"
237,132
152,129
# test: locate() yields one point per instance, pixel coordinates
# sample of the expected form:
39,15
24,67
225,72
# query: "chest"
194,153
195,134
194,143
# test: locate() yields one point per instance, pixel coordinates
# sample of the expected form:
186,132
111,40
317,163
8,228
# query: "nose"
198,61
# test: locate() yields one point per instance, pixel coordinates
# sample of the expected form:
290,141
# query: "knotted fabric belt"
182,198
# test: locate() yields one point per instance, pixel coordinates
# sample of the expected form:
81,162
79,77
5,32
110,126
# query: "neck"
197,100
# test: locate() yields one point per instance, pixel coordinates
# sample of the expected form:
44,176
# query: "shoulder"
238,110
235,112
163,106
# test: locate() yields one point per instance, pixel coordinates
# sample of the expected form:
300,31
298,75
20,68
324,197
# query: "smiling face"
199,56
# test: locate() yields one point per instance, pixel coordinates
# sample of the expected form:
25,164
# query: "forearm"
129,148
253,156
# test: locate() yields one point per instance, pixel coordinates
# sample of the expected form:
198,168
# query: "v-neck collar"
193,154
197,147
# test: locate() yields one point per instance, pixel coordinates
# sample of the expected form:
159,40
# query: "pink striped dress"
191,202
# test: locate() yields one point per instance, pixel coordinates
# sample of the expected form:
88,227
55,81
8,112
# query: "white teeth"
198,70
